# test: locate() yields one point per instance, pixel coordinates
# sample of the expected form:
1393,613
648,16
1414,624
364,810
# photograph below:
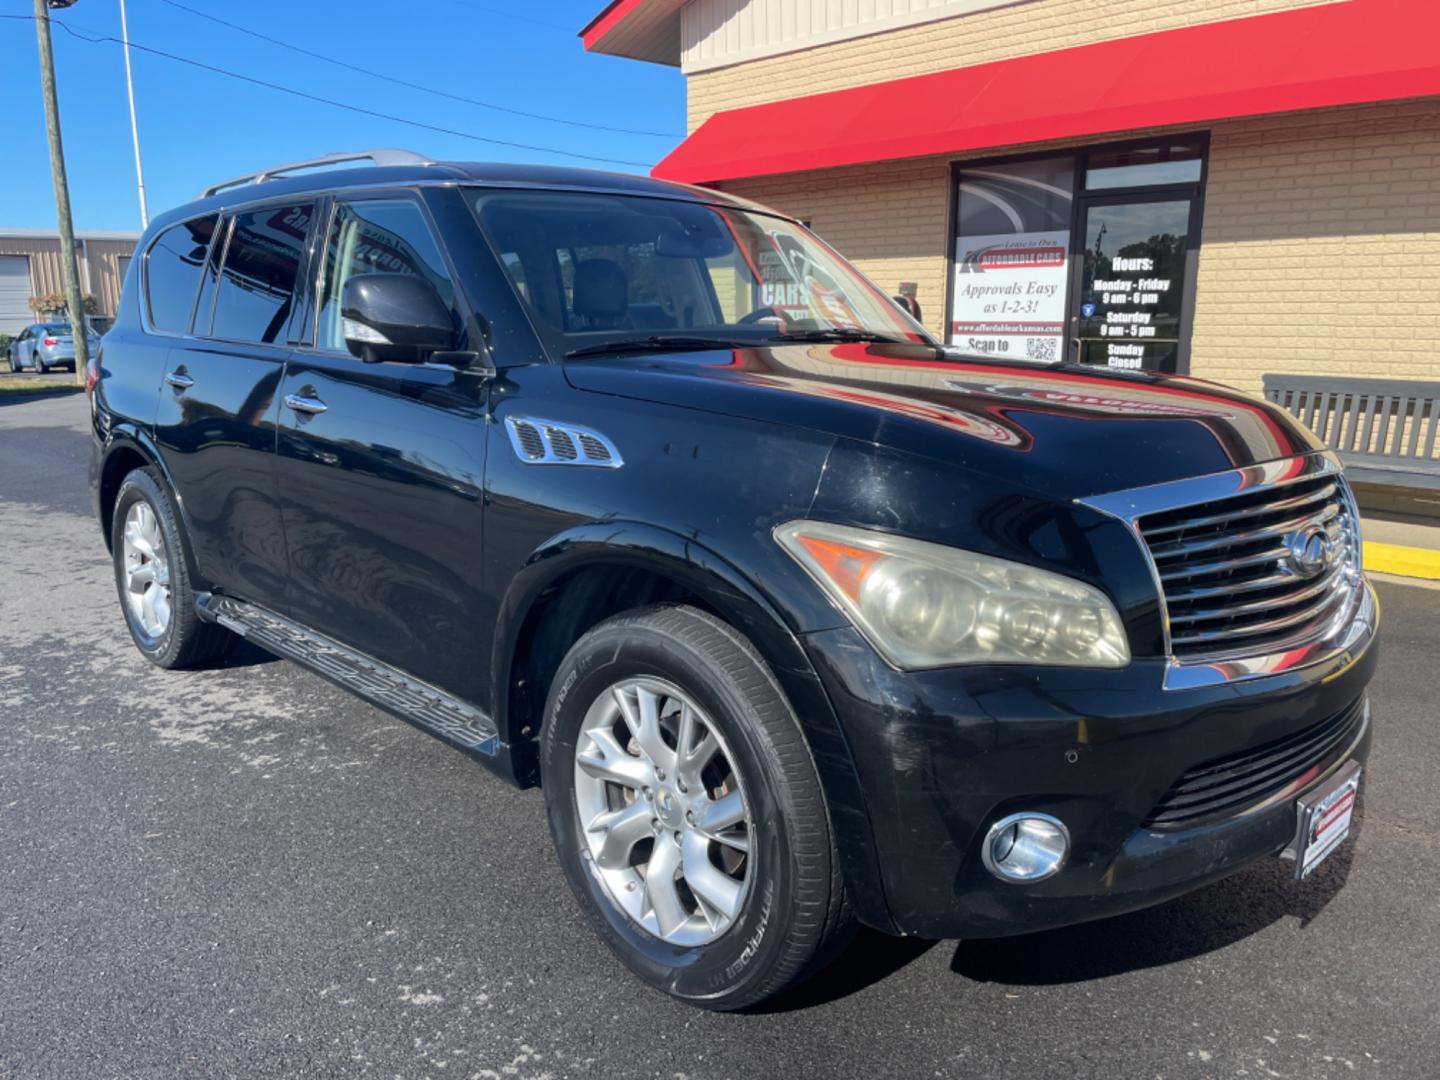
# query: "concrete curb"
1404,561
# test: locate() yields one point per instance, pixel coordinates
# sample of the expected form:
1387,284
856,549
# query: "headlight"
925,605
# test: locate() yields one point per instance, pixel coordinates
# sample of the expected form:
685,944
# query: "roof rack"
379,158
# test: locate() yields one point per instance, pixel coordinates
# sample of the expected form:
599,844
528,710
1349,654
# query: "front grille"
1232,584
1225,786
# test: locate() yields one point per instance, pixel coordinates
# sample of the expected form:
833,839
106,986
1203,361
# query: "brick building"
1224,187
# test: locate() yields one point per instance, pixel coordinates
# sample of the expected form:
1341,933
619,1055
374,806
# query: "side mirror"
394,317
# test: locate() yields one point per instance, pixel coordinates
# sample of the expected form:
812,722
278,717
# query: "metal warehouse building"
1221,187
30,266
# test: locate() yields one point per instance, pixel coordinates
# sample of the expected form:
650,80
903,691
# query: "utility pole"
134,127
79,327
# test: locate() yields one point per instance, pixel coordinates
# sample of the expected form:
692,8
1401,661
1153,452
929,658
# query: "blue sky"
197,127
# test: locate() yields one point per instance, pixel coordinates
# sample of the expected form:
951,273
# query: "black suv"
642,493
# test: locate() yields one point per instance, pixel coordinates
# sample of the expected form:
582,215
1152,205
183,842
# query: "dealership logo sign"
1011,256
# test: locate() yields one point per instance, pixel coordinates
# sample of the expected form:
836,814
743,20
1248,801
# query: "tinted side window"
371,236
172,272
256,294
210,277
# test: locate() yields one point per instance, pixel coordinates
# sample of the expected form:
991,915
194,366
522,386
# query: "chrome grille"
1228,785
1234,574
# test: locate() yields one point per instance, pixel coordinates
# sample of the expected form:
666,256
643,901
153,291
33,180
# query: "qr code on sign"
1041,349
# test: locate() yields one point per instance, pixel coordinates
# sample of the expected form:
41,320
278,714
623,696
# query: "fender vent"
547,442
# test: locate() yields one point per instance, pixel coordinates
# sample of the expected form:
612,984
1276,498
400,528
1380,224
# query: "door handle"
179,380
302,403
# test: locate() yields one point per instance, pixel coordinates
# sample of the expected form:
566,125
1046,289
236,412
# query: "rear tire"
150,554
785,910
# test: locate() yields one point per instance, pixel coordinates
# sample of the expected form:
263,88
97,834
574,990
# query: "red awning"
1333,54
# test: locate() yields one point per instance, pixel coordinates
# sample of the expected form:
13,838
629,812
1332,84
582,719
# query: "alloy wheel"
147,570
663,811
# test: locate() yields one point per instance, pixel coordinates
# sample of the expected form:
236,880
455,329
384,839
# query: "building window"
1012,256
1176,162
1086,256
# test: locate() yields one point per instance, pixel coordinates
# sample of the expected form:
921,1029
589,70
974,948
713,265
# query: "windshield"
597,270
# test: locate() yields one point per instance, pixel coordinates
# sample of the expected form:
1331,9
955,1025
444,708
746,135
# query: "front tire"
686,809
148,549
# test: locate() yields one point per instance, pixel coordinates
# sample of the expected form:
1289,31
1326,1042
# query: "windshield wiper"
653,343
837,334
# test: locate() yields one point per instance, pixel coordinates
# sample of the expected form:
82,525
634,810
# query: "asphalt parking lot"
248,873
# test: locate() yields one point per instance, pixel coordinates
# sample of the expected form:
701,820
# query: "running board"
427,707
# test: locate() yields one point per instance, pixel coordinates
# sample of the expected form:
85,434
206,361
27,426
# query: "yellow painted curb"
1406,561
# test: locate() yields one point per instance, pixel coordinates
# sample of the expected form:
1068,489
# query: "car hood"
1067,431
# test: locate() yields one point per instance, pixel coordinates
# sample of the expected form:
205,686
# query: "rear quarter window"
172,273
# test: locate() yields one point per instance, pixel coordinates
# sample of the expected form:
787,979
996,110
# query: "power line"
361,110
416,86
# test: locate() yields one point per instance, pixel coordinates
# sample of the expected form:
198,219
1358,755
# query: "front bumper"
943,754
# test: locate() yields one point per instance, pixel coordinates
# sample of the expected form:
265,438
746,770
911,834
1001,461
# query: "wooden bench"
1384,430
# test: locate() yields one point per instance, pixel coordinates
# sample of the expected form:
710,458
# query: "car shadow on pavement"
244,655
25,396
1212,918
870,957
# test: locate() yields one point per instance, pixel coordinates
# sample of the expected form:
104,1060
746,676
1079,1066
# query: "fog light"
1026,847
